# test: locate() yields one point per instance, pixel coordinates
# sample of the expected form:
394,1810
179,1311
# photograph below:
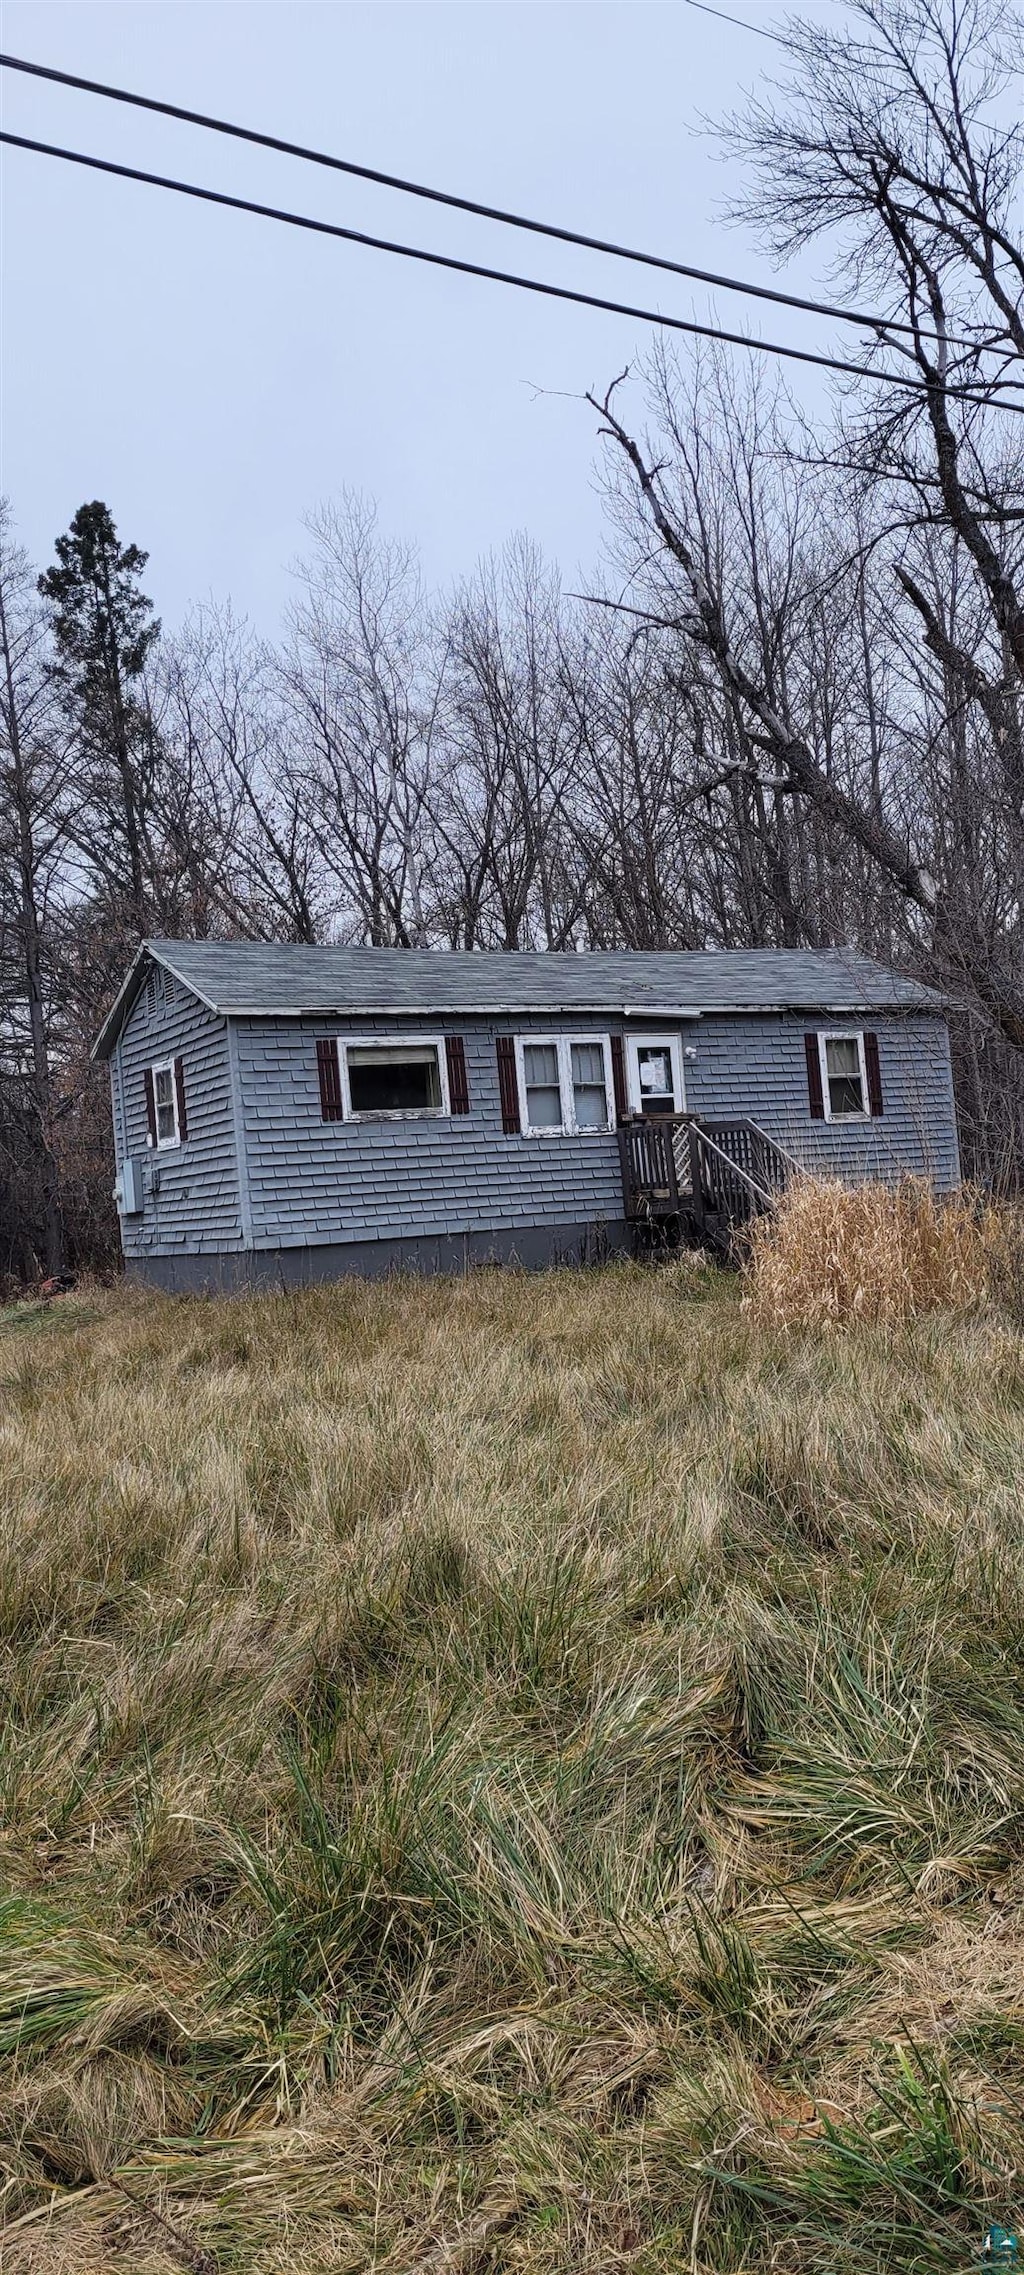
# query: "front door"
654,1074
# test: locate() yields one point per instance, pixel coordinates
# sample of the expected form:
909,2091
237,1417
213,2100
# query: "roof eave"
128,994
929,1001
599,1010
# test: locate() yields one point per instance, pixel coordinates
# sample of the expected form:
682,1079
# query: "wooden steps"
686,1178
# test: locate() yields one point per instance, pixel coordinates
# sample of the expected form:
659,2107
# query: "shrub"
871,1252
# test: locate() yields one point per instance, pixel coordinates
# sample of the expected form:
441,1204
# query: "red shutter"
179,1092
814,1091
874,1074
330,1079
458,1085
618,1076
150,1104
508,1086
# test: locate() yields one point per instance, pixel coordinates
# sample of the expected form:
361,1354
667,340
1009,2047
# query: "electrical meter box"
128,1192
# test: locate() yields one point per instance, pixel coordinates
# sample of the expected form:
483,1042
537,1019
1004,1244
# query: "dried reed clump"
876,1253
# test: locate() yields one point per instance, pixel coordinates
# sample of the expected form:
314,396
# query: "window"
165,1105
589,1086
564,1084
542,1086
654,1074
394,1078
843,1077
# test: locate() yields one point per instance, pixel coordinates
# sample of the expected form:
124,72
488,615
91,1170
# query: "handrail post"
626,1165
696,1175
672,1179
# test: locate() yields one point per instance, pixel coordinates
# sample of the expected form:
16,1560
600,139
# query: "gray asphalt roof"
238,976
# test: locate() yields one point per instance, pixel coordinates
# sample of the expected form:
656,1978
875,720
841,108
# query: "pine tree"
104,628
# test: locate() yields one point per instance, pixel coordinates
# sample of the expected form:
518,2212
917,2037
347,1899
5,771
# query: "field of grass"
523,1773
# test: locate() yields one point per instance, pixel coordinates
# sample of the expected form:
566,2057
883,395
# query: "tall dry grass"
511,1774
881,1254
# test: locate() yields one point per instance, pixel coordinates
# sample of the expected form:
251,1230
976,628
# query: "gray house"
286,1114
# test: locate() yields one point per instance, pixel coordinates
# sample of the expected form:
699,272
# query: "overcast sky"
214,377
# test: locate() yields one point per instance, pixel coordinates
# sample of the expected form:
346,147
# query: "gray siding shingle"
312,1184
312,1181
192,1199
757,1066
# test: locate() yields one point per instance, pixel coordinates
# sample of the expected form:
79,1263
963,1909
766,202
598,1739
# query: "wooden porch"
683,1175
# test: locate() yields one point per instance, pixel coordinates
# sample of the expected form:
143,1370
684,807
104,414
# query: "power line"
462,204
741,22
493,276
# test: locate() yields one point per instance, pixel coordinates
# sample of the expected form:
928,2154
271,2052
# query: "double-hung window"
588,1069
397,1079
543,1103
165,1105
844,1081
564,1084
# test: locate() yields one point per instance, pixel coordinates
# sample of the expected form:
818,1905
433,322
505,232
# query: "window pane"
590,1106
845,1095
589,1098
842,1055
655,1069
540,1063
543,1107
543,1091
391,1081
656,1083
162,1086
588,1063
392,1054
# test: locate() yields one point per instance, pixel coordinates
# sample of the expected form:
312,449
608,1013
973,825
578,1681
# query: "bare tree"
502,806
235,815
31,798
361,712
898,142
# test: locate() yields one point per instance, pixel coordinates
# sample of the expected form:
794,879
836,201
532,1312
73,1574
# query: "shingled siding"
313,1182
192,1194
757,1067
341,1186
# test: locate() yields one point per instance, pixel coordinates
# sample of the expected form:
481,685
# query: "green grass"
517,1773
29,1317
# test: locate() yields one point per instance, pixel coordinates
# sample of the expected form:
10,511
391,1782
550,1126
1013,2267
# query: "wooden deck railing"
650,1153
719,1173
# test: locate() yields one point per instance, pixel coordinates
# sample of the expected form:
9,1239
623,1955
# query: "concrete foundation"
537,1248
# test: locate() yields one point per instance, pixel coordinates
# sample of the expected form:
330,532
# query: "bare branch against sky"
214,382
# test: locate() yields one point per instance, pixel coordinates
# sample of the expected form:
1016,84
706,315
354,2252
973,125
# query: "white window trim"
165,1144
347,1043
634,1043
563,1045
843,1035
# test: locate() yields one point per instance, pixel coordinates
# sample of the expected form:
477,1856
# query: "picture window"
394,1079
